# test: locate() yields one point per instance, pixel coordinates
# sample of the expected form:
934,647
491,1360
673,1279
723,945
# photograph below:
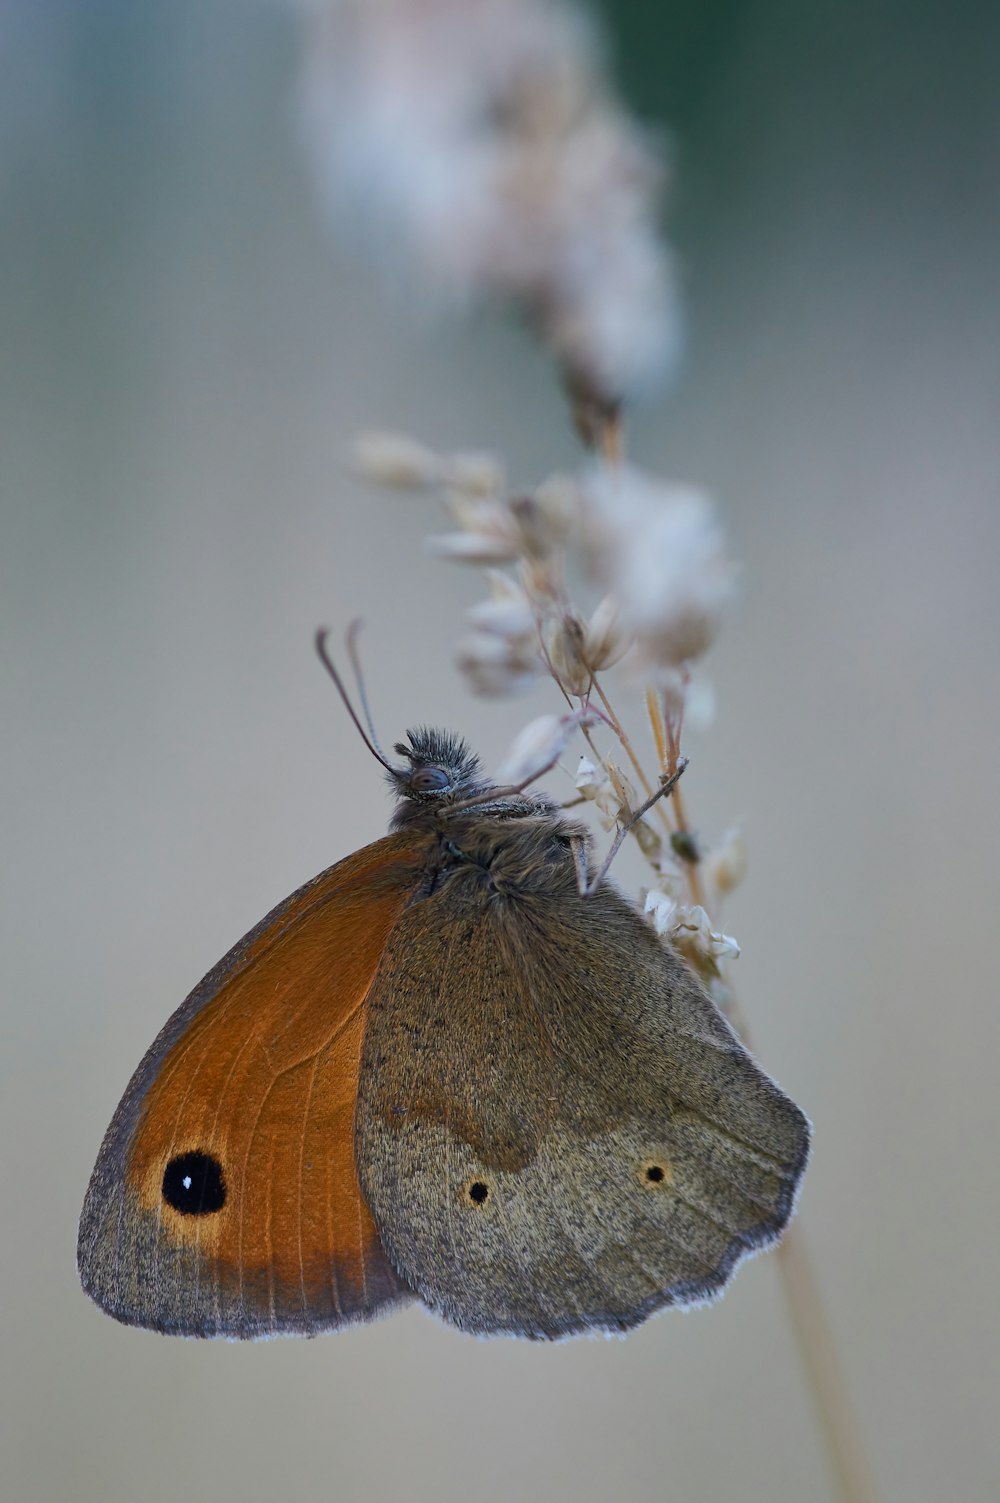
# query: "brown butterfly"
456,1067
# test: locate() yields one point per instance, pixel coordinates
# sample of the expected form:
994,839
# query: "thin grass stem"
810,1324
813,1333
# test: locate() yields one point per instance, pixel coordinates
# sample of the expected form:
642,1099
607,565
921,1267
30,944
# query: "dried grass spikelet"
558,500
507,613
593,783
481,145
578,649
590,779
397,461
564,639
605,641
659,548
497,666
538,747
402,463
501,654
488,533
624,789
475,473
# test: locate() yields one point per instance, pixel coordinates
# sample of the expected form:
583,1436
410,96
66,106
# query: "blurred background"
186,355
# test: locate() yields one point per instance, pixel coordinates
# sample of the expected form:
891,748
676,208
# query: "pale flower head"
660,549
660,908
687,926
481,146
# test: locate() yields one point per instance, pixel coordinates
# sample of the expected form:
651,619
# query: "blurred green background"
185,355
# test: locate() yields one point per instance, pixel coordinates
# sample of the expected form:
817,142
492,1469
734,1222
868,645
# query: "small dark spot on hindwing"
476,1191
655,1174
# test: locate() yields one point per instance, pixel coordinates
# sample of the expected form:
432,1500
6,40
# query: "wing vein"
302,1159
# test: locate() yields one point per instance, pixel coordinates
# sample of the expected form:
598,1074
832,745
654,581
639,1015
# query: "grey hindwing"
557,1131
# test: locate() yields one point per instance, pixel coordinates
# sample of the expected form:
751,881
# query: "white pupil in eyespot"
186,1181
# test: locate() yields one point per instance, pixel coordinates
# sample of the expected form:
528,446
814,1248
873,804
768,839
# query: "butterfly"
457,1067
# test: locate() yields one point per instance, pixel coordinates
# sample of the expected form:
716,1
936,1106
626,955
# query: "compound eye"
429,780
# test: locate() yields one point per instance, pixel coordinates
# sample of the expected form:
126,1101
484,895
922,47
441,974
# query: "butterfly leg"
666,787
578,846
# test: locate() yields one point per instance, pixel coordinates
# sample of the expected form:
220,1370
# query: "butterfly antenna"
325,659
352,651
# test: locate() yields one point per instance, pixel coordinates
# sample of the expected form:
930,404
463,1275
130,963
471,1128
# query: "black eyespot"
429,780
193,1184
478,1193
654,1172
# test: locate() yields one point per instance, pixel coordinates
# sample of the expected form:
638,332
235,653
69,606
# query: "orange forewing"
259,1070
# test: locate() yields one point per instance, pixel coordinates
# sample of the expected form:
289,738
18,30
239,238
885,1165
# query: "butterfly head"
440,769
